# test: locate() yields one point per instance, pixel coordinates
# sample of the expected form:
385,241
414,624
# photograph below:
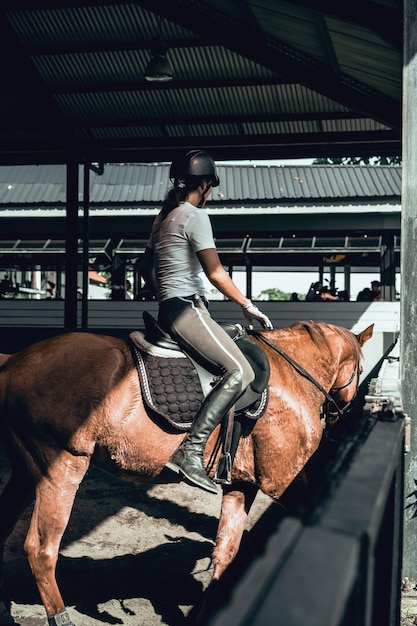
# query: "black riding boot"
188,459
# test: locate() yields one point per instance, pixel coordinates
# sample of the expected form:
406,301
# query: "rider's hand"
251,312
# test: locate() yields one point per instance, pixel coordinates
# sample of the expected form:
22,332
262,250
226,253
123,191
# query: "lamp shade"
159,69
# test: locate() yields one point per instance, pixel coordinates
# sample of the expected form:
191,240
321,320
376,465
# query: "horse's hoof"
61,618
5,618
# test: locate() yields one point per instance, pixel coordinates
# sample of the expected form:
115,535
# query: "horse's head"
345,385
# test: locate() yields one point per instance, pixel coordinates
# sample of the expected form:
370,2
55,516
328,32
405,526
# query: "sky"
298,282
272,162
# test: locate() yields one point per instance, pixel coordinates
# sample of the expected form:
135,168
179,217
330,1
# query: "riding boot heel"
190,464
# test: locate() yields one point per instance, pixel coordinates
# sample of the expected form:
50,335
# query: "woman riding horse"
181,244
53,432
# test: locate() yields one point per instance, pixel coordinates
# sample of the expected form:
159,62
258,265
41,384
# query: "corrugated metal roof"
140,184
259,79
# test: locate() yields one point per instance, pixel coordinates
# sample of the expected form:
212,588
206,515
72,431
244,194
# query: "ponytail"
173,198
179,193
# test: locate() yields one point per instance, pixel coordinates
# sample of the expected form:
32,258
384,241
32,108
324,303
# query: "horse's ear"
365,334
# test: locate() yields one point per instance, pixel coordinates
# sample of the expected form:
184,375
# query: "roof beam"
312,145
225,147
177,85
328,45
139,122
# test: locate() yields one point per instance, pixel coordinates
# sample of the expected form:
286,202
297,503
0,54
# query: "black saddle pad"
169,382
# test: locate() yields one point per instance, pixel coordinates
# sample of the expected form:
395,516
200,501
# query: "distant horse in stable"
77,398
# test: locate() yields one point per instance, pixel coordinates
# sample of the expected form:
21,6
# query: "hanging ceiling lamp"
159,68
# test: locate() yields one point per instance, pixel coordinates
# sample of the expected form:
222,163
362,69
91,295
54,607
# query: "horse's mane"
315,330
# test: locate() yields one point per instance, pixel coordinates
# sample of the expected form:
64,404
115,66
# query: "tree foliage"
350,160
275,294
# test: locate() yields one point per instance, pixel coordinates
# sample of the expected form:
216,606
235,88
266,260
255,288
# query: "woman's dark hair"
179,193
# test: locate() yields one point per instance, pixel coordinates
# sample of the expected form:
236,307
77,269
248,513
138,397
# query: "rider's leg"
190,323
188,459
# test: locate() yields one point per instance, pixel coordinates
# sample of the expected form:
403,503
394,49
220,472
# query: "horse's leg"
236,504
54,499
15,497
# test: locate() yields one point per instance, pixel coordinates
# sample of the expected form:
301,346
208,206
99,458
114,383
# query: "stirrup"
223,475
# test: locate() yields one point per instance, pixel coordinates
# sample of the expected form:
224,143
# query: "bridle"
355,371
336,410
341,411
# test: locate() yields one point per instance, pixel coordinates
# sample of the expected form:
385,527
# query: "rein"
300,369
348,382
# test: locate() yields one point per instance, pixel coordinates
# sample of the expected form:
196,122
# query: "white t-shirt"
175,241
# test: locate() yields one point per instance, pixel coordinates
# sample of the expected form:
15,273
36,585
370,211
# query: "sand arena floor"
132,555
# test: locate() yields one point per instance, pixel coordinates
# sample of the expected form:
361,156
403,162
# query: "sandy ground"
409,603
132,555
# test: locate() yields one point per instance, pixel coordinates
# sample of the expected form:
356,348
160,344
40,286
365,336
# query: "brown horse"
76,398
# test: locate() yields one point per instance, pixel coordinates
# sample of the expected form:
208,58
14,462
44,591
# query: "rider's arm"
219,278
147,270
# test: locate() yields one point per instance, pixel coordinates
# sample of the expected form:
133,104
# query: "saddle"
173,384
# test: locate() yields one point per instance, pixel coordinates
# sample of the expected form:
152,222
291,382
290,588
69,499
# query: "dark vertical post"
71,248
136,282
118,275
86,244
408,359
346,283
388,268
249,281
58,291
332,278
248,266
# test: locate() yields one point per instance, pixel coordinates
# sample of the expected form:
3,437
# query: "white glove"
251,312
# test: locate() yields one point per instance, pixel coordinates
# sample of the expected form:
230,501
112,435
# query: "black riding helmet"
194,163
